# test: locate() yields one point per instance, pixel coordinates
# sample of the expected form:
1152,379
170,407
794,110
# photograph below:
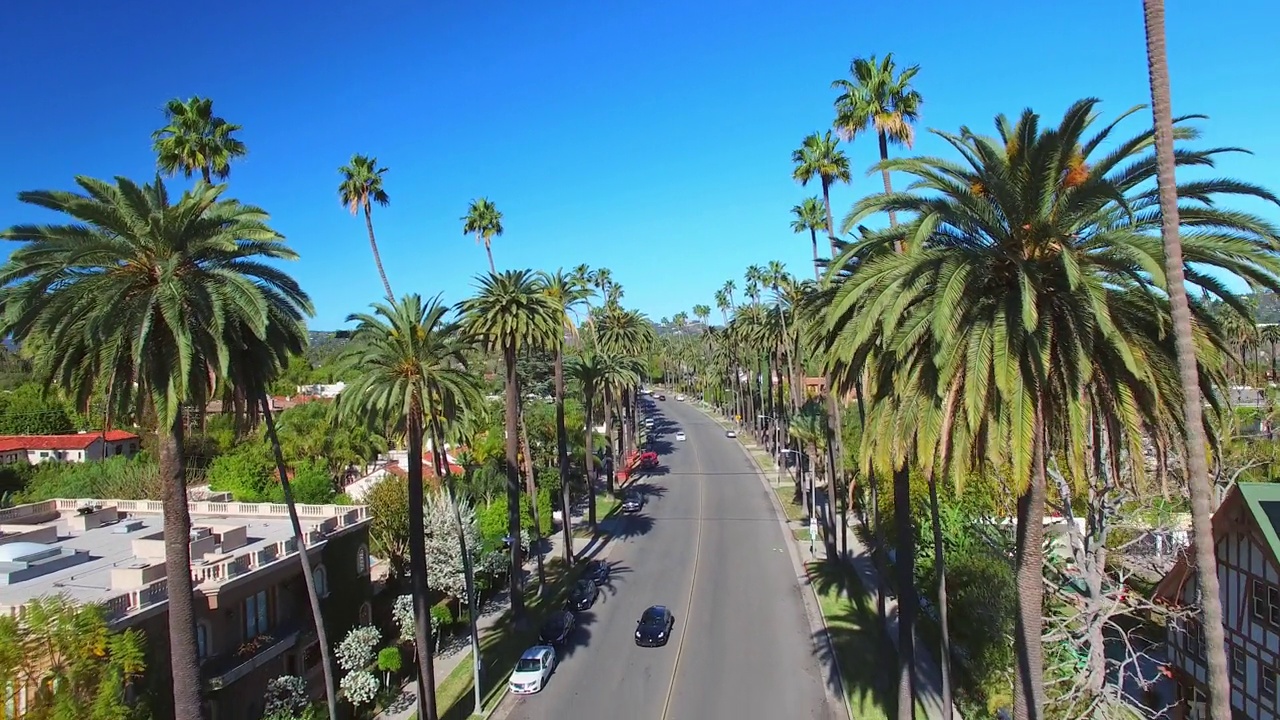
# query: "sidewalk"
458,649
927,673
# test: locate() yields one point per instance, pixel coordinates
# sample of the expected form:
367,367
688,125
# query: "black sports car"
583,595
633,503
597,572
655,626
557,628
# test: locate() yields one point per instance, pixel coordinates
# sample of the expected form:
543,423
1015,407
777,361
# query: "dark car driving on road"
597,572
557,628
633,502
655,626
583,595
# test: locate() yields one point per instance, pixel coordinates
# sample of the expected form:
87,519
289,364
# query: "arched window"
322,580
366,614
362,559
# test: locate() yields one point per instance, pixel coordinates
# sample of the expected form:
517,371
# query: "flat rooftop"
112,551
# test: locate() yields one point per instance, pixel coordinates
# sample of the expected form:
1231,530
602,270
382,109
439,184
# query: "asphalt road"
707,545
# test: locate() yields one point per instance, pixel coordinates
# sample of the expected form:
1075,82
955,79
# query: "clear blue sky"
652,138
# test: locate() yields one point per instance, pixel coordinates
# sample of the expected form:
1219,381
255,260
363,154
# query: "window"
202,640
1268,683
362,559
257,615
366,614
321,578
44,454
1195,639
1237,662
119,449
1266,602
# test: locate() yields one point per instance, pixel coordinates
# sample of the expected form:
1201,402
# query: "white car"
532,670
679,398
680,436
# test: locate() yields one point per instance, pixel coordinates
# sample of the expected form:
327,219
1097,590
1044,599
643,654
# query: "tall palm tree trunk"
888,186
512,392
531,489
373,245
905,563
418,570
1197,463
609,447
590,458
813,237
468,571
562,457
183,656
1028,686
308,576
940,576
489,251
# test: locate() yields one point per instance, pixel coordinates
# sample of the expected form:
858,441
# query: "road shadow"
616,527
648,490
858,643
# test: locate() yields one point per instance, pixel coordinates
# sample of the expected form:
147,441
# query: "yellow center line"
693,582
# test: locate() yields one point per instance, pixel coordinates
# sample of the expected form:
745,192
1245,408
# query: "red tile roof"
78,441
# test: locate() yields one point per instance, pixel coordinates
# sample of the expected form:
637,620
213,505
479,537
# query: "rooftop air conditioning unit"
125,527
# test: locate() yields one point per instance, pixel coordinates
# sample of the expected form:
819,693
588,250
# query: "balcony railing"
223,670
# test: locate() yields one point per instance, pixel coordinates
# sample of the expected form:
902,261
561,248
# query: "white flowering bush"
402,612
356,651
359,687
444,555
285,696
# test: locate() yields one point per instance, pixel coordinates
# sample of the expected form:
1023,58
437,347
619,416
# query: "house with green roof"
1246,533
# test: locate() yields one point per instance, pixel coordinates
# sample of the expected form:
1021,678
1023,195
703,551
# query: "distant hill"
1268,305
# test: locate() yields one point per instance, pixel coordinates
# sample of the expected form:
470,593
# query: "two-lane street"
707,545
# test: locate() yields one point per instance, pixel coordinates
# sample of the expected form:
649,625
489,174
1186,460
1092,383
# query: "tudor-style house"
1248,552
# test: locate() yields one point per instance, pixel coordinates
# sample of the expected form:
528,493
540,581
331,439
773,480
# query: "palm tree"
136,302
511,312
412,365
1017,297
361,186
879,100
1193,412
586,369
485,220
195,140
819,156
811,217
703,313
565,292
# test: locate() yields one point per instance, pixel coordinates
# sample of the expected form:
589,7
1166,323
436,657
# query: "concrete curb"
813,608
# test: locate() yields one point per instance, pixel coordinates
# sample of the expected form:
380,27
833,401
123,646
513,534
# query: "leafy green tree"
511,312
27,410
59,644
414,372
485,220
117,478
880,100
1014,326
188,273
195,140
388,503
245,473
360,188
312,483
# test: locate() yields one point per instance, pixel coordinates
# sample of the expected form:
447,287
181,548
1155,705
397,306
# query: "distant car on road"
679,398
583,595
730,434
662,397
654,628
556,630
532,670
633,502
680,436
597,572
